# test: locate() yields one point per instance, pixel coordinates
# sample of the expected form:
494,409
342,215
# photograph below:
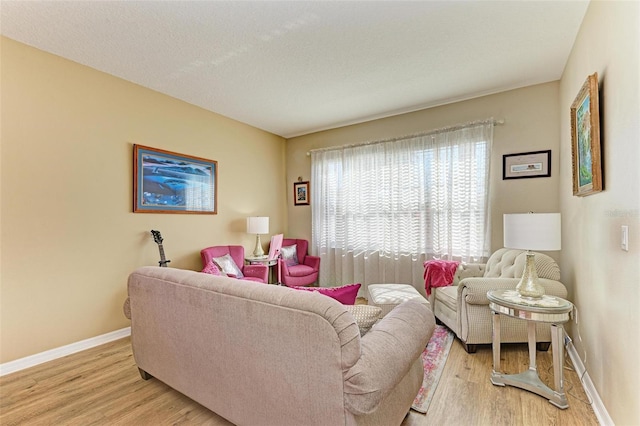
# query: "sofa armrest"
312,261
387,353
474,290
283,269
257,271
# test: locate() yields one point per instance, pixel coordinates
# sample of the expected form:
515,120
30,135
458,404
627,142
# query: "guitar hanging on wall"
157,237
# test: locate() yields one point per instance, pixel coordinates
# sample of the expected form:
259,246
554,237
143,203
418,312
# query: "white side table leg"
495,374
531,333
559,399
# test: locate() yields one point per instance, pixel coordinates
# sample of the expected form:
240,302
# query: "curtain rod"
416,135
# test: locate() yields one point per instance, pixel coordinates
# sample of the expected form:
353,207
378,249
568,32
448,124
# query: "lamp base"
529,285
258,252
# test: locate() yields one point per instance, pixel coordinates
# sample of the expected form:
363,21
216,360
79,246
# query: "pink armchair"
257,273
305,273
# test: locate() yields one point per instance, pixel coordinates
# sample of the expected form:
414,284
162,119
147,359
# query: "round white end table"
547,309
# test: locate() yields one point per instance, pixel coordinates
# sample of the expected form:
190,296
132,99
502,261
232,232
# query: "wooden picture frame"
301,195
525,165
168,182
585,139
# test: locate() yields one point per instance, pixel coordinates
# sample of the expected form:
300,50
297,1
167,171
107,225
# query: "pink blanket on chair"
438,273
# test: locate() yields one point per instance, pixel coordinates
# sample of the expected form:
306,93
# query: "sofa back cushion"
509,263
201,334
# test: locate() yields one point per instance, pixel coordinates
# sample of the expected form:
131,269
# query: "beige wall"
604,281
69,237
531,124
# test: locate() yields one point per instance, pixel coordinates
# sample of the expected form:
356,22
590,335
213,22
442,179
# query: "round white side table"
548,309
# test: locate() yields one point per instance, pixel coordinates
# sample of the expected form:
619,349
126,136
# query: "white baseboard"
50,355
598,407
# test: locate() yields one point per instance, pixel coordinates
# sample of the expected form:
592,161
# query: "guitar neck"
158,240
163,259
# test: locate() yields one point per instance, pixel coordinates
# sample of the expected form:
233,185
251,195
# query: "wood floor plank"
101,386
466,396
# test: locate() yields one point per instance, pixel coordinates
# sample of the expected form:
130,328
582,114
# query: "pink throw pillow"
227,266
211,268
346,294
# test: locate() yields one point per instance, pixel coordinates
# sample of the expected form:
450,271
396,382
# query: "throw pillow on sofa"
346,294
289,255
365,316
211,268
228,266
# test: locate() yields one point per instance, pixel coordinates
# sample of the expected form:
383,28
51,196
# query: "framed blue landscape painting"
168,182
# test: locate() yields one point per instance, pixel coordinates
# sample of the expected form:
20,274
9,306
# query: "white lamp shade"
257,225
533,231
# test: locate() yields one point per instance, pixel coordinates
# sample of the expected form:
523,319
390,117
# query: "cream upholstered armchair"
464,308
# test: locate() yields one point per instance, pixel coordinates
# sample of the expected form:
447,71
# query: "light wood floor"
101,386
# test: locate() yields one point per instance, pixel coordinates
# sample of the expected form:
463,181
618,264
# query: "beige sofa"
464,307
261,354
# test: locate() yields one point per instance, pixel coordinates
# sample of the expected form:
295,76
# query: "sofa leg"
543,346
471,349
144,374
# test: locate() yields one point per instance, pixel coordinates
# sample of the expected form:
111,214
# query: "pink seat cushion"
255,279
346,294
300,270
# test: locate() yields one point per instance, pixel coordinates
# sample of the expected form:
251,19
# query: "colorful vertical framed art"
585,139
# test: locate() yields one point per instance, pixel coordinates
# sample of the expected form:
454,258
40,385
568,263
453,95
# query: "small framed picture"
301,193
526,165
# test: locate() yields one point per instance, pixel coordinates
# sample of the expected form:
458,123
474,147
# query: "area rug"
434,357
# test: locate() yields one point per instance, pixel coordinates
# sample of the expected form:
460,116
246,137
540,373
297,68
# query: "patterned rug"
434,357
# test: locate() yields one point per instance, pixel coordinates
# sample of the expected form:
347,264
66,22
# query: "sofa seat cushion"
346,294
300,270
448,296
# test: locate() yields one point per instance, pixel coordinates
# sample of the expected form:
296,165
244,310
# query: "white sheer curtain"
379,210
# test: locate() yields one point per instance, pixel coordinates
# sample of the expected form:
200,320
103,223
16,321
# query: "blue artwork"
171,182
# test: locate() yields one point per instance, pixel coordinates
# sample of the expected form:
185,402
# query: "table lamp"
532,231
258,225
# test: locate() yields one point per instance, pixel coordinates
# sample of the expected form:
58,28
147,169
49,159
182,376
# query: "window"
419,197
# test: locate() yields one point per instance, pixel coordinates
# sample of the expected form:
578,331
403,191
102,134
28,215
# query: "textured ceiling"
293,68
